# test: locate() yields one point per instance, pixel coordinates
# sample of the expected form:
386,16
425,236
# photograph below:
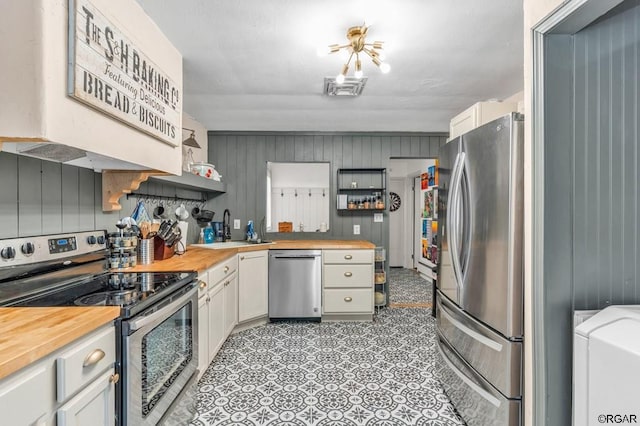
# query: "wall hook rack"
169,199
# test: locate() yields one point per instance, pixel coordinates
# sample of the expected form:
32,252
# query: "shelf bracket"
116,183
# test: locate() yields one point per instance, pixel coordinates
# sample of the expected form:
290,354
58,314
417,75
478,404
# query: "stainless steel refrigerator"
479,303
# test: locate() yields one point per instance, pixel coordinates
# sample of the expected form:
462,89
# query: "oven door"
160,355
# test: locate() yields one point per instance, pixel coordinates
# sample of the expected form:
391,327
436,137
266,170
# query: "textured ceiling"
252,64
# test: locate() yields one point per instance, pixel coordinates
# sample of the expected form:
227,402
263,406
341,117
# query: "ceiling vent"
351,87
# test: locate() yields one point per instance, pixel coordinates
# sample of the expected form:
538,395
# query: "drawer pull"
348,299
115,378
348,274
226,269
93,358
348,256
208,299
203,284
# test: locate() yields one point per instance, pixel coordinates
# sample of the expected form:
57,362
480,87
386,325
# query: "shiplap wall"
43,197
241,159
592,222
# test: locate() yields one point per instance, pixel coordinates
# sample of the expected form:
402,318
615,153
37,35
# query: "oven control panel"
62,245
44,248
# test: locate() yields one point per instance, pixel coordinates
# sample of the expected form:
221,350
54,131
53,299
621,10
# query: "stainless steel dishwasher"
295,284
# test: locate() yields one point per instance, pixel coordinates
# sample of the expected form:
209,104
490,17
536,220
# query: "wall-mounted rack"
169,199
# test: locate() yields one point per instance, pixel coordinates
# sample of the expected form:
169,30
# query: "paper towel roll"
184,228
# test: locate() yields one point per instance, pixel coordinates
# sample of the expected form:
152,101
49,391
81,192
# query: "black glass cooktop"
132,291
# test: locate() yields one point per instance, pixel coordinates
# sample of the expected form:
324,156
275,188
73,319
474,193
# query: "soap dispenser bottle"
250,231
208,234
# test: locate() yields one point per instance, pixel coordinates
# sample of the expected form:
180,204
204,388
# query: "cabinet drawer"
203,284
223,270
347,256
348,276
348,301
84,361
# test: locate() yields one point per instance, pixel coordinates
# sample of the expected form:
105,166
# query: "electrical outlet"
356,229
377,217
236,223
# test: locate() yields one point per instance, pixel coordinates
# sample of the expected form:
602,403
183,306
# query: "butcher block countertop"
29,334
200,259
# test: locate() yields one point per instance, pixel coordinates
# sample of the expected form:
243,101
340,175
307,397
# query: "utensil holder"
146,252
161,251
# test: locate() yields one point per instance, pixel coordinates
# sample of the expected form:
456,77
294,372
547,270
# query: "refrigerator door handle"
453,219
496,346
449,217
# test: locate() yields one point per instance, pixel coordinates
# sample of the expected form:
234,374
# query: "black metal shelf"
362,189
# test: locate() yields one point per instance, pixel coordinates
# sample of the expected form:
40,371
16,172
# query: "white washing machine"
606,366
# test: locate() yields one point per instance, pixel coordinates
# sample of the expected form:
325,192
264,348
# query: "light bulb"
340,78
385,68
357,74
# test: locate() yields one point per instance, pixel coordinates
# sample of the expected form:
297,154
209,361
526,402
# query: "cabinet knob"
348,274
202,284
226,269
348,256
348,299
241,257
208,299
93,358
115,378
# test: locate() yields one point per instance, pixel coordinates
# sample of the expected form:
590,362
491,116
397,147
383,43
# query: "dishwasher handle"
295,257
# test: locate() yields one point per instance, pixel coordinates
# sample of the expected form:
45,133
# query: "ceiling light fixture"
357,44
191,140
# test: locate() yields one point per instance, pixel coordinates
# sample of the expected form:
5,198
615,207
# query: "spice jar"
351,204
366,203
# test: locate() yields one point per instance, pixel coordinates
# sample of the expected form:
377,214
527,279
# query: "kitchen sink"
230,244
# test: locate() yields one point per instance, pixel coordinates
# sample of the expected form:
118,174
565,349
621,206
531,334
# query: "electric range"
156,331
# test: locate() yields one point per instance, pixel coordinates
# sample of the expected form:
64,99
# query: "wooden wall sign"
111,74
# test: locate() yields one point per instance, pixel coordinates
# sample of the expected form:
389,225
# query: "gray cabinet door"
93,406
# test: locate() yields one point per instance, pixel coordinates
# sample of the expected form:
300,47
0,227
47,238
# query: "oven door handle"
161,314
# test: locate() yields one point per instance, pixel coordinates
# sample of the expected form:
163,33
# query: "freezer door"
497,359
478,403
447,160
492,194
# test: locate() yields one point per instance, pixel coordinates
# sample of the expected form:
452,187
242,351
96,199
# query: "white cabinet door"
28,398
216,320
203,333
230,304
253,280
93,406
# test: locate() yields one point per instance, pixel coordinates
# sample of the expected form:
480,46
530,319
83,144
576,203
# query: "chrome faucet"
226,218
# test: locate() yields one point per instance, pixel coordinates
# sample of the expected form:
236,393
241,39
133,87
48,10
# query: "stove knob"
8,253
91,240
101,239
27,249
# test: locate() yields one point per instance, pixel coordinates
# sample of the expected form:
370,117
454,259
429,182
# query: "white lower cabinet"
217,309
203,333
72,386
94,405
347,284
230,304
26,398
253,285
217,333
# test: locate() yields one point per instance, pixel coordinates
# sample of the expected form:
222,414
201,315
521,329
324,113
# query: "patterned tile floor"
331,374
406,286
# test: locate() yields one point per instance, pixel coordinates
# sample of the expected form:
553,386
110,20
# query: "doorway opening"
406,215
